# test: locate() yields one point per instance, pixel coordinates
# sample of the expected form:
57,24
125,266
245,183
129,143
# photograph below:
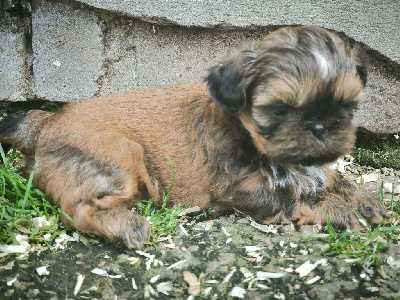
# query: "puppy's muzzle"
319,131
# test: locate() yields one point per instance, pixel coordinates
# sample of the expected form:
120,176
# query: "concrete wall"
72,50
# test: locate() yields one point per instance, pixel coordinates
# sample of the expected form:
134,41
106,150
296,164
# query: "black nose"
319,131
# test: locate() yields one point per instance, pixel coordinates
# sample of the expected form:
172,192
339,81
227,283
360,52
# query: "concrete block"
14,84
173,54
380,110
374,23
67,51
119,70
103,47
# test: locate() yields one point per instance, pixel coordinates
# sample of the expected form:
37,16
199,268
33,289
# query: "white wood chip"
9,266
212,281
372,177
223,229
362,222
304,252
352,260
268,275
134,286
23,246
288,270
264,228
238,292
388,187
11,282
307,267
150,260
176,264
253,248
392,262
42,271
228,277
229,240
78,285
396,190
149,291
164,287
101,272
263,286
365,276
279,296
207,290
183,229
42,222
170,246
154,279
313,280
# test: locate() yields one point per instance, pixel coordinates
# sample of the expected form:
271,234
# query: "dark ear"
361,63
226,82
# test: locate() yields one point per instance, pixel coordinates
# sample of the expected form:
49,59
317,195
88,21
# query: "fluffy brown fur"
254,137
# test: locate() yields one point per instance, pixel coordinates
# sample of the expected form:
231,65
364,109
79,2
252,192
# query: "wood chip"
193,282
238,292
176,264
224,231
268,275
313,280
78,284
307,267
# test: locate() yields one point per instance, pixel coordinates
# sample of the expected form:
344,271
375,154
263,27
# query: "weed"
163,220
22,205
23,208
359,248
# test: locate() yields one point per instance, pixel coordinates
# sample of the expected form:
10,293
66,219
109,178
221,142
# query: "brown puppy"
257,141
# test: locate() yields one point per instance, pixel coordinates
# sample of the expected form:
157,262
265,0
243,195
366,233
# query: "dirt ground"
226,257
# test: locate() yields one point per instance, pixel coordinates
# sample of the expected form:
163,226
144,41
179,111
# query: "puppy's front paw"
372,209
136,232
123,225
342,212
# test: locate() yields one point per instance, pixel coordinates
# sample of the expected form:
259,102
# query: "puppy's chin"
290,161
307,152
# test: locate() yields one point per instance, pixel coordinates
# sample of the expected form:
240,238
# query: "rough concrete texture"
67,52
174,54
79,51
374,23
12,66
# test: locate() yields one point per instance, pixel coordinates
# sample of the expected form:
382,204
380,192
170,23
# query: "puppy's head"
295,93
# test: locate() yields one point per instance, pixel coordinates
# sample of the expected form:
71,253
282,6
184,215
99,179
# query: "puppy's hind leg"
97,189
114,222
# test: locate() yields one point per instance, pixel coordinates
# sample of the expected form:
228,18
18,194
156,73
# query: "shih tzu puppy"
255,136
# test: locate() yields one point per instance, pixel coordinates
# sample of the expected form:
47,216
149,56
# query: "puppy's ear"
361,62
227,82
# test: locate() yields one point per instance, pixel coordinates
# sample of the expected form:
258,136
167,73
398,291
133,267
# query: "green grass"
163,220
21,203
364,249
377,150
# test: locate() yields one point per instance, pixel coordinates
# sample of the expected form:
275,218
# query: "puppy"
255,136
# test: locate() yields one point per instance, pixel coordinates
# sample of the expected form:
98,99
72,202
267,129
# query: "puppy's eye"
350,105
278,110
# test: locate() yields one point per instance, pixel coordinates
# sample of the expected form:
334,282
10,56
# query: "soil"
223,257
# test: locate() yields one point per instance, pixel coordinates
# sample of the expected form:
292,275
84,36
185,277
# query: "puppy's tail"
21,131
